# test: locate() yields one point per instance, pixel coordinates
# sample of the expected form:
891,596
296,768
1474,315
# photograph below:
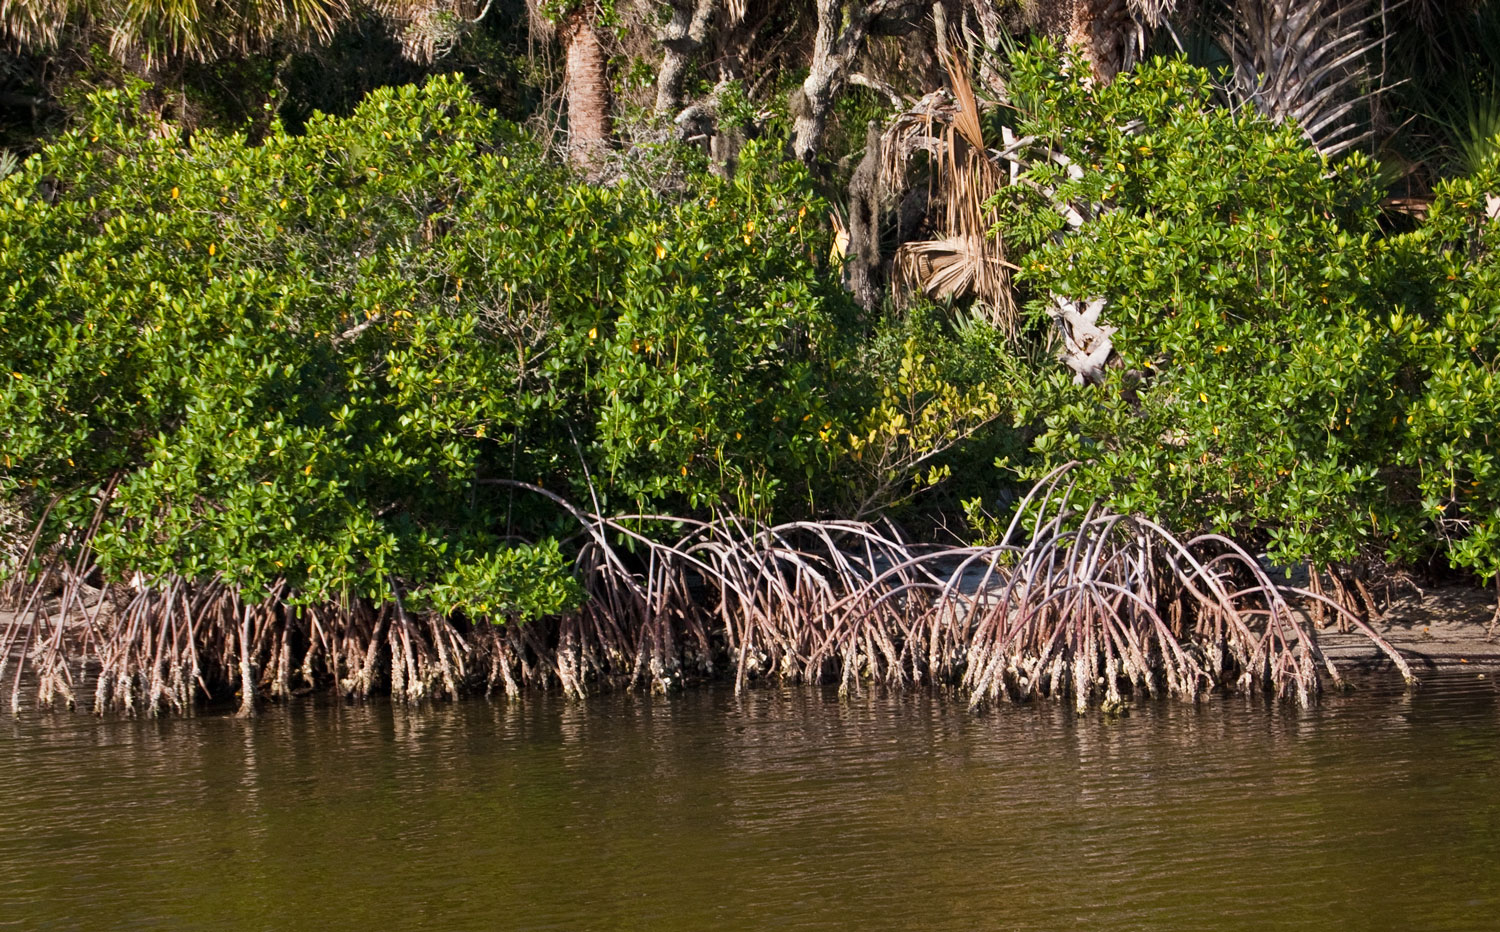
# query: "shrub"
1263,356
1453,424
314,362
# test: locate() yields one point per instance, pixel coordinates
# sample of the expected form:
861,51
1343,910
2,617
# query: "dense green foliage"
308,359
327,360
1454,424
1284,367
623,321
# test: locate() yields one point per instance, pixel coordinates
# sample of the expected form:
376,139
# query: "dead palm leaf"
157,31
955,267
1153,13
967,259
33,22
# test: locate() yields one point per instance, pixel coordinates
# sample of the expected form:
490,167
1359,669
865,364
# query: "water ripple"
781,809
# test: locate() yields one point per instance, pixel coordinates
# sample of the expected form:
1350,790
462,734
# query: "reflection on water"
778,810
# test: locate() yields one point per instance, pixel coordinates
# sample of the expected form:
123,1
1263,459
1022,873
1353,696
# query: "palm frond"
1479,139
966,259
1305,60
33,22
1153,13
429,29
955,267
1452,61
156,31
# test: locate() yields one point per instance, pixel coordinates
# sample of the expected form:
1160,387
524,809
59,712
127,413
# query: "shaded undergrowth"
1074,603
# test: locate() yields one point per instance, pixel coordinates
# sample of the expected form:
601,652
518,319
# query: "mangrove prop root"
1074,603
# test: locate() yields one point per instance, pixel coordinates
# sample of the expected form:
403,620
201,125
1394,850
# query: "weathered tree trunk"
681,39
842,29
586,76
1088,342
812,101
863,263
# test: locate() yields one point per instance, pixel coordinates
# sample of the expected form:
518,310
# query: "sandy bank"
1441,628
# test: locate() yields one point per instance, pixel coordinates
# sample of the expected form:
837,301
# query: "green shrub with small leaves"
940,412
1263,362
1286,370
1453,424
319,360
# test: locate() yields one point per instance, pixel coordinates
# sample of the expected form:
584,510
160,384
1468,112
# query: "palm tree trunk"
1102,30
586,75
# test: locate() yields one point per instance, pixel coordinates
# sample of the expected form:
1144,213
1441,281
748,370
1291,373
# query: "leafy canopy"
1285,370
317,360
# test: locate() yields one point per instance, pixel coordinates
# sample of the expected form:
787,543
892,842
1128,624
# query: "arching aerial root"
1074,603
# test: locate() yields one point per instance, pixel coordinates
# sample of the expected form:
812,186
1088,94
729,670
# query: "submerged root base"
1080,605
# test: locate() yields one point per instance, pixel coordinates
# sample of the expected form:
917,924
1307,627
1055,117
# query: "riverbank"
1440,628
1437,630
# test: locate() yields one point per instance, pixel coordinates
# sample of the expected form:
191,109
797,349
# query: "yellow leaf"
174,194
593,333
212,249
1202,397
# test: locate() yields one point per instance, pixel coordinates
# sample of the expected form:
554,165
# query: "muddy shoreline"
1441,628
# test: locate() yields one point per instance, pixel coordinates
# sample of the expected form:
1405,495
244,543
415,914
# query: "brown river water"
780,809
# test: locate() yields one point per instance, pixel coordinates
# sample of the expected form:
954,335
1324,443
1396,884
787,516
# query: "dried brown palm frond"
430,29
968,258
154,32
952,268
1306,60
1153,13
34,22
